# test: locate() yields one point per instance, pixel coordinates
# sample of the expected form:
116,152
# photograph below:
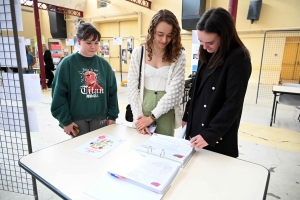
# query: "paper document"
145,170
99,146
172,148
182,132
109,187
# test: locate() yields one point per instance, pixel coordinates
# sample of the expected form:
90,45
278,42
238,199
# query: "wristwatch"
153,117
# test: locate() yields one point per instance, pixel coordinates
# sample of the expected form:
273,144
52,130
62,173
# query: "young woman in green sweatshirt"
84,89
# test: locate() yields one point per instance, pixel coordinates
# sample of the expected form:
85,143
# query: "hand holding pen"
146,131
198,142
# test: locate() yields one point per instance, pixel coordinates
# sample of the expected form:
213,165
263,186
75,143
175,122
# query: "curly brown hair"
173,49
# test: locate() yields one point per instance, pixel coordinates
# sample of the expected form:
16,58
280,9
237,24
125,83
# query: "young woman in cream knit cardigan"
162,77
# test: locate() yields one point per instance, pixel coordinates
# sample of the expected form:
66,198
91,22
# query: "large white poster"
5,15
8,57
12,118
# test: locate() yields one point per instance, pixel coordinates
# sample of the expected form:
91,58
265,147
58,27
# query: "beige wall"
122,14
28,23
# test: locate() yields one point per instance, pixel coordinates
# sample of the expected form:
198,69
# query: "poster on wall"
117,41
76,45
129,45
27,42
69,42
56,50
195,52
124,56
101,49
104,49
56,53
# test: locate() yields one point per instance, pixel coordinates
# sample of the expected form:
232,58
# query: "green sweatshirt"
84,88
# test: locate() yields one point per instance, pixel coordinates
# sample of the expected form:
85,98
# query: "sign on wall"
195,52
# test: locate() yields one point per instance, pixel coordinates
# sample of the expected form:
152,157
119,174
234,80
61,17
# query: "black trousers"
49,76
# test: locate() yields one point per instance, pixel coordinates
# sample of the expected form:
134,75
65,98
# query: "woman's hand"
198,142
69,129
145,131
143,122
110,122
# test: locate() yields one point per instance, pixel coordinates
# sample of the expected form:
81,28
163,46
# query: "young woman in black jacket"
214,112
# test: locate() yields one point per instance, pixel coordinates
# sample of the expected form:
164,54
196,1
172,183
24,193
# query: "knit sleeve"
113,106
60,106
133,93
174,90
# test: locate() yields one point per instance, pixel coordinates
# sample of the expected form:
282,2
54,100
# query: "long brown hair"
219,21
173,49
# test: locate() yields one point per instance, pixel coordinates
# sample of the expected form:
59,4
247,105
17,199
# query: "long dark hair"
173,49
86,31
219,21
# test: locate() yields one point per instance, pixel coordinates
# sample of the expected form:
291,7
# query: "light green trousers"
166,122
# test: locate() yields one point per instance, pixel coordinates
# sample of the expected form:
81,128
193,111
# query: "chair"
288,99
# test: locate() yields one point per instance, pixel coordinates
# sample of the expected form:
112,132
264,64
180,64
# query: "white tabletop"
286,89
207,175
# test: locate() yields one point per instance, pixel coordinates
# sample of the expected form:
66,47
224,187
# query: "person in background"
214,112
30,61
74,103
162,77
49,65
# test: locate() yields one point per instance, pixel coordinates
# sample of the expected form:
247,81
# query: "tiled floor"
277,148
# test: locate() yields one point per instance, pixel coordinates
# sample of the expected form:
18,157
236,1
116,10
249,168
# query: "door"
290,69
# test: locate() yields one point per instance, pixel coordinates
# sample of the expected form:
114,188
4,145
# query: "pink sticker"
178,156
155,184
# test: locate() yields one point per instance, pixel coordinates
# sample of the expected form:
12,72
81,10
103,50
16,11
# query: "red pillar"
39,43
232,8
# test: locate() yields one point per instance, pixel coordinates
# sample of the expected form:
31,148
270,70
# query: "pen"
113,175
116,176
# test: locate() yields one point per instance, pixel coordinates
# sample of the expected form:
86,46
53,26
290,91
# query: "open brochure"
176,149
145,170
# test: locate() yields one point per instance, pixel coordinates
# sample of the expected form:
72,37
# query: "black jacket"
216,104
49,65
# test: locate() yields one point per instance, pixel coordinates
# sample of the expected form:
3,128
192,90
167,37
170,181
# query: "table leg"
273,108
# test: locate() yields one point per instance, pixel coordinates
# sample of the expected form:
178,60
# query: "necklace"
89,66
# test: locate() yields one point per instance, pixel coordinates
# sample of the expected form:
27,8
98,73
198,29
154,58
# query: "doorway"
290,68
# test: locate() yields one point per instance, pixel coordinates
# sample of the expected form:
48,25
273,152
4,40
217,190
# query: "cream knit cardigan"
174,88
